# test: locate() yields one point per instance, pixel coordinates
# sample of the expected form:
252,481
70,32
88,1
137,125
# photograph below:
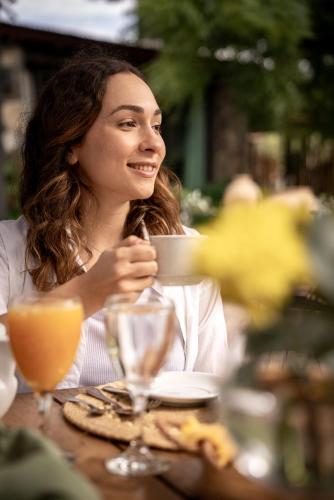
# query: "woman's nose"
151,140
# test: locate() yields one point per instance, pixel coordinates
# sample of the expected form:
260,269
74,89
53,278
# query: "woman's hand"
128,268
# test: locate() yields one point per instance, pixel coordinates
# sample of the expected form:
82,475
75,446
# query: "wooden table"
189,476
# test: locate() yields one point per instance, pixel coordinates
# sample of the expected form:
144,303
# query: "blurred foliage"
199,206
215,191
275,59
318,67
305,325
196,208
252,47
277,262
256,267
293,358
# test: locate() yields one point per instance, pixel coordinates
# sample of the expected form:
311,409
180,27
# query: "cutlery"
116,390
113,405
93,411
152,403
96,393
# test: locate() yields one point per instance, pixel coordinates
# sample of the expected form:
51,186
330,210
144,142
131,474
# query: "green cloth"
31,468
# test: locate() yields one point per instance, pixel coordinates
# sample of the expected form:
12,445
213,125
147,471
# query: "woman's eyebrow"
132,107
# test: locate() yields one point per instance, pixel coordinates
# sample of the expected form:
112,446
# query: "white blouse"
201,341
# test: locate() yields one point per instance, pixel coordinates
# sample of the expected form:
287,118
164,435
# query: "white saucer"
185,388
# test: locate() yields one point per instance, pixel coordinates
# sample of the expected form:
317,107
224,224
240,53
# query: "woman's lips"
144,169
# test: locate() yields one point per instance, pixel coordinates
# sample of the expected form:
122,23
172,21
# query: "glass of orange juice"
44,333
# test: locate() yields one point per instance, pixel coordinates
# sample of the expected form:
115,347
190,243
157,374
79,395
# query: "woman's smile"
144,169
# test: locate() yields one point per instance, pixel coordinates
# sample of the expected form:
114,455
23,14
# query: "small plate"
185,388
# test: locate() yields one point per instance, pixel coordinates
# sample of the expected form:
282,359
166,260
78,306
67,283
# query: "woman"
92,171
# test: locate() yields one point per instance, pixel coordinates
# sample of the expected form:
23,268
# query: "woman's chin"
143,194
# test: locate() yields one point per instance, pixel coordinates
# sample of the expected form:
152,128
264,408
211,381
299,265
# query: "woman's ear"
72,156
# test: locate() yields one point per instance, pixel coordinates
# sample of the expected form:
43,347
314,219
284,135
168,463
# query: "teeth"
144,168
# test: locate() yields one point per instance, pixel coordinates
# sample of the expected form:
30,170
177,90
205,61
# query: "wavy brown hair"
51,191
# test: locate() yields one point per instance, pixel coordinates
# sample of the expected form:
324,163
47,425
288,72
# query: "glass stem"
44,400
139,407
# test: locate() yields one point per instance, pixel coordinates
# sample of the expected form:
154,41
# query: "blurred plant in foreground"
258,255
195,207
275,257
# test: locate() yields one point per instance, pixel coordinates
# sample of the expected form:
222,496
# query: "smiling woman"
92,171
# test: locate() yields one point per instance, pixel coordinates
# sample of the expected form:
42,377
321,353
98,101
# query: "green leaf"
194,31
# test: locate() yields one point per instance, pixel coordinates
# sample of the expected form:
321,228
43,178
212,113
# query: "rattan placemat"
124,428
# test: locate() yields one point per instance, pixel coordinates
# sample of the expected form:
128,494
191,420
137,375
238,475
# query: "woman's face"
122,151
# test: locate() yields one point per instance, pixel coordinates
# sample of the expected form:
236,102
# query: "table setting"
191,473
168,400
109,414
155,413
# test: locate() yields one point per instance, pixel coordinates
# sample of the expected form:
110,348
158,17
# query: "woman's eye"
157,128
128,123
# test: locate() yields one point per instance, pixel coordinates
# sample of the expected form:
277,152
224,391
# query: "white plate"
184,388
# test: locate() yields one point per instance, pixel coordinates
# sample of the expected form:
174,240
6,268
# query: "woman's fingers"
142,269
131,241
127,269
134,285
132,270
135,253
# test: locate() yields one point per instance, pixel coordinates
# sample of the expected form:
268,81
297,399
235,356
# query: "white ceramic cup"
175,258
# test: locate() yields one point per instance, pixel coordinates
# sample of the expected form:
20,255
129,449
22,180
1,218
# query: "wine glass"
44,332
143,333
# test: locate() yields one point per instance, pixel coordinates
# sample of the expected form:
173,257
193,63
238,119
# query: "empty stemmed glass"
44,333
143,333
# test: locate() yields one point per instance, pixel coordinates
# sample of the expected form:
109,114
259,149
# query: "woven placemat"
124,428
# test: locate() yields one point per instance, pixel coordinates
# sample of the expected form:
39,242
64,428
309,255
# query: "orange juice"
44,340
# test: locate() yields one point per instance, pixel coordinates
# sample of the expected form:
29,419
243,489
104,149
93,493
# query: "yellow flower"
257,254
242,189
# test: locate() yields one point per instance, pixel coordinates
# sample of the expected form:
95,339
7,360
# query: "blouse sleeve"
4,277
212,342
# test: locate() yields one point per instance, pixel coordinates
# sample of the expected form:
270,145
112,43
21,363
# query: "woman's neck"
104,226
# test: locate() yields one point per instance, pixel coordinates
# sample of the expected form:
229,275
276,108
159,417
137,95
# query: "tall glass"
44,333
143,334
